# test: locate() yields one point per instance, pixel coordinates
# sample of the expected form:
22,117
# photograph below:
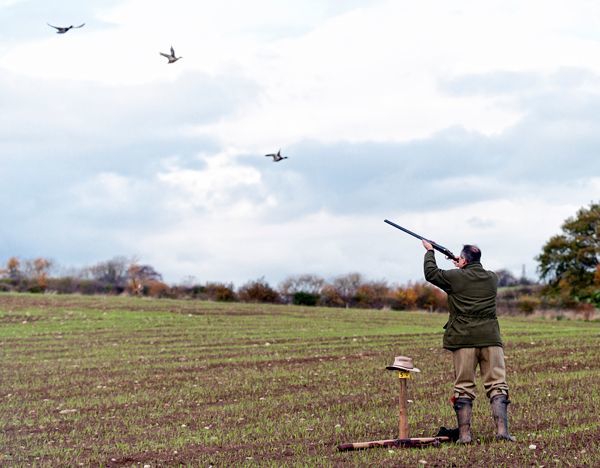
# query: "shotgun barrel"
435,245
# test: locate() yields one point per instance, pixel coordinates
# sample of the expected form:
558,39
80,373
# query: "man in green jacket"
473,336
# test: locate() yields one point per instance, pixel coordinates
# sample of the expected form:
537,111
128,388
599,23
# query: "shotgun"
436,246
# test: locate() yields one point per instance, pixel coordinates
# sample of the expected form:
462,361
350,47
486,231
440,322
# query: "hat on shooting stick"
403,363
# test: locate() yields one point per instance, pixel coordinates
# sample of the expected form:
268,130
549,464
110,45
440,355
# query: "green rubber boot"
499,412
464,411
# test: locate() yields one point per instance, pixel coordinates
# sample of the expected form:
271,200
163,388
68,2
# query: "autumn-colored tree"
330,297
569,261
41,267
140,277
154,288
404,298
13,268
36,271
220,292
372,294
258,291
430,297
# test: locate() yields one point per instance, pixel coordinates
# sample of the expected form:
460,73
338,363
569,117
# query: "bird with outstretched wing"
64,29
276,156
171,57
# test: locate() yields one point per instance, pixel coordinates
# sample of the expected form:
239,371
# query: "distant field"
125,381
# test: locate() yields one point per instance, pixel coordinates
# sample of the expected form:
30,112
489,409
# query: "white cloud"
237,249
220,188
356,78
107,192
373,73
468,121
368,73
121,44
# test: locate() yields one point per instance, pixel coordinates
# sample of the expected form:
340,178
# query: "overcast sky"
466,121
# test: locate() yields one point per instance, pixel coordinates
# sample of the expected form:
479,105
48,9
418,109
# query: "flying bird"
276,157
171,57
63,29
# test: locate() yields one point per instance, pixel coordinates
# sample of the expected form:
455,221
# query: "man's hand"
427,245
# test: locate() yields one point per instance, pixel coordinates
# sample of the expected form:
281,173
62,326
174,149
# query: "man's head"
470,253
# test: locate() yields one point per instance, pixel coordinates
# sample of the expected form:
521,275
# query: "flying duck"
276,157
171,57
62,29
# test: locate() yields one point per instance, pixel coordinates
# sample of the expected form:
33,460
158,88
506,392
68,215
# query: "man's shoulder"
479,273
479,267
466,274
455,271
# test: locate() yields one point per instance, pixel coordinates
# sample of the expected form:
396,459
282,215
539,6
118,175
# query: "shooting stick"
403,441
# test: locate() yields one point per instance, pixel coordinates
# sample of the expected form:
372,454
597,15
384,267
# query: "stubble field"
108,381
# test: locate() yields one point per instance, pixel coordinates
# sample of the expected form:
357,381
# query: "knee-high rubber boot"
499,412
464,410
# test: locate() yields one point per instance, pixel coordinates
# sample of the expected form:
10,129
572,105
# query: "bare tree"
347,286
506,278
307,284
111,273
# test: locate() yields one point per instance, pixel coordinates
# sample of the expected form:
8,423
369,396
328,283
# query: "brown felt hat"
403,363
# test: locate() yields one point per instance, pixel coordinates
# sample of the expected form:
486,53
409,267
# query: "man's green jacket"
471,303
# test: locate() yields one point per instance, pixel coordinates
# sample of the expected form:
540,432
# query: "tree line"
569,269
121,275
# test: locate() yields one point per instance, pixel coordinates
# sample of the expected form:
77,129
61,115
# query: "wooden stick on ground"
407,443
403,440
